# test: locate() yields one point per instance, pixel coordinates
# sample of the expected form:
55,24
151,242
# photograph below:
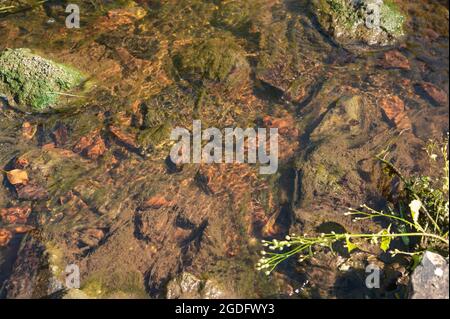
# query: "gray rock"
185,286
430,279
211,290
188,286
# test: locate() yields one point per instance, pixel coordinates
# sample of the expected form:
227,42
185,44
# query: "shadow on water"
8,257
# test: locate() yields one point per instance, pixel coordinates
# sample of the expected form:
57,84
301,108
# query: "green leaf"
350,246
386,241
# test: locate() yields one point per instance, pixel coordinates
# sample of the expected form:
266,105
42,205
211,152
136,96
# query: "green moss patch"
33,82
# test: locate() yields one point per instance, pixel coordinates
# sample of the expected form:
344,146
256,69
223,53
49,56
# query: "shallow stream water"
132,220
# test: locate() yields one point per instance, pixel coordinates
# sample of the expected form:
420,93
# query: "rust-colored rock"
394,109
437,95
118,17
21,163
156,202
15,215
97,149
92,146
394,59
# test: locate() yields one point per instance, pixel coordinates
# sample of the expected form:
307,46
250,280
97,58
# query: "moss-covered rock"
33,83
347,21
217,60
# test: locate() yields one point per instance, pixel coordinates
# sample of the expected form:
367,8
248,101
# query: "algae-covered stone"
360,22
32,83
346,116
217,60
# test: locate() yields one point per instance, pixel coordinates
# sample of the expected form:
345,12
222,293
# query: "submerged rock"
32,83
346,116
357,22
430,91
430,279
32,276
395,60
217,60
188,286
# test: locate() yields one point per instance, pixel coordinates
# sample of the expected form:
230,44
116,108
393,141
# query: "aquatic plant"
422,221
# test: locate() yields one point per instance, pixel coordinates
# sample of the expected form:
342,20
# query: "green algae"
33,82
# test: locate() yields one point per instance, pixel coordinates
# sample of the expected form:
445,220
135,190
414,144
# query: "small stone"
394,109
394,59
430,279
185,286
188,286
437,95
212,291
91,146
5,237
15,215
28,130
96,149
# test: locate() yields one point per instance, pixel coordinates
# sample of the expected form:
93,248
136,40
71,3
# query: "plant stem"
398,235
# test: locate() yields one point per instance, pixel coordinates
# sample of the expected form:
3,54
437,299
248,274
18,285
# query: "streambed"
103,194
